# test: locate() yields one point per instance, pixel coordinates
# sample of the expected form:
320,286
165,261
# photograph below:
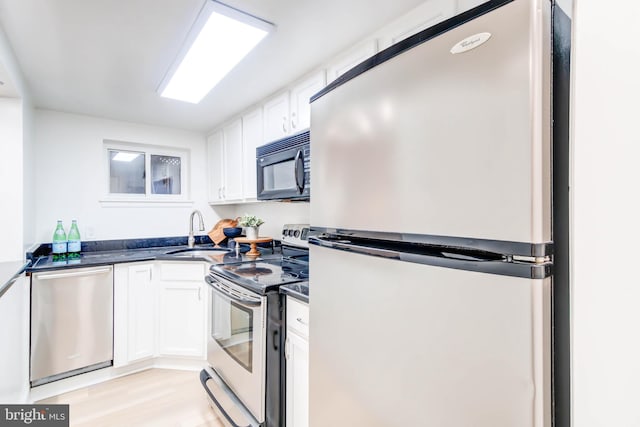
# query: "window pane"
165,175
126,172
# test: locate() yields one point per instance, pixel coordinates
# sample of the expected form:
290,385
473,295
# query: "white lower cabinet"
182,310
134,313
159,310
297,364
14,336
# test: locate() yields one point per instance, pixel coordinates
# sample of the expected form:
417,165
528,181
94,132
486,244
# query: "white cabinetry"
182,309
134,313
163,316
276,117
14,336
251,139
464,5
297,364
215,162
224,151
289,112
420,18
350,59
300,116
232,184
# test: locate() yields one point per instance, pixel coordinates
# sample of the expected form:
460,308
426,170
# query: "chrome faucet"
191,240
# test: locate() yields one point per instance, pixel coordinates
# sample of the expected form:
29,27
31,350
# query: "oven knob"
284,232
290,233
297,233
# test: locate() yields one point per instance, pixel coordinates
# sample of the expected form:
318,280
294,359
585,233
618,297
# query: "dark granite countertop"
298,290
108,252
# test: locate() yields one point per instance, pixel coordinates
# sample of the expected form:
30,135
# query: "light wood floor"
156,397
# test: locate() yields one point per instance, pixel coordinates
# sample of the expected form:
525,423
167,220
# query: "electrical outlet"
91,232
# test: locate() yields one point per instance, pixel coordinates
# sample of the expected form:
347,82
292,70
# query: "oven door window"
232,328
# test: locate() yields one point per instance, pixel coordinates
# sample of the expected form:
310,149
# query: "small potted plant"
251,223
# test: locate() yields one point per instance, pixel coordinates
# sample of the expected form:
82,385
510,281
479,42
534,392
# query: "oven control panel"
295,235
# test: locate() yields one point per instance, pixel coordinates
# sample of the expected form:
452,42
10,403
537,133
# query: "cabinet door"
276,117
424,16
297,355
351,59
232,154
182,319
251,139
14,336
464,5
215,169
141,312
300,95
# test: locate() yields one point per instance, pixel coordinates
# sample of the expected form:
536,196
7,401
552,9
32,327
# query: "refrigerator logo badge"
470,42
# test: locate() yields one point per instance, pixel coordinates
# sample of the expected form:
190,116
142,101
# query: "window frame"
147,150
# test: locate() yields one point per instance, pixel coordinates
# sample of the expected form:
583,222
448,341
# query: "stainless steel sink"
197,252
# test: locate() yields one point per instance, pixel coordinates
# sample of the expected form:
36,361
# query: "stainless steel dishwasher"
71,322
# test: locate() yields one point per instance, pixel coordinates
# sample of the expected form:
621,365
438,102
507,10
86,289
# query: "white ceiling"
107,57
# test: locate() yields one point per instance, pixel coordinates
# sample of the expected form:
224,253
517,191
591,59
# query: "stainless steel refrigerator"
431,274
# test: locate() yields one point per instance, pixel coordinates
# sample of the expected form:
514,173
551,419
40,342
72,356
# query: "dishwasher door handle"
49,276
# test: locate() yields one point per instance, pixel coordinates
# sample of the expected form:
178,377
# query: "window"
145,173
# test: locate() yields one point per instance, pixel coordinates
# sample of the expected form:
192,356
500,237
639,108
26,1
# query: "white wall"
71,178
15,143
11,178
275,215
606,213
28,176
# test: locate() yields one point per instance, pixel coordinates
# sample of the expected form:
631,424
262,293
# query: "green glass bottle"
59,243
74,245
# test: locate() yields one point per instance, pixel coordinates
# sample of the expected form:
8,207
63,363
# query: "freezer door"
396,344
435,143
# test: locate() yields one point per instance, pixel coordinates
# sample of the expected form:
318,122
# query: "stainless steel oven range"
245,372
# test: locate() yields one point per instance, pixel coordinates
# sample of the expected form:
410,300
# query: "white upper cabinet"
289,112
350,59
232,153
276,117
215,166
225,151
251,139
300,117
420,18
464,5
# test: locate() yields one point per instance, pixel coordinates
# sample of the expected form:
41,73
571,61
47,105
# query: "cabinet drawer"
182,271
298,316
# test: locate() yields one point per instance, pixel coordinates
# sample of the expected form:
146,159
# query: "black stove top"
264,275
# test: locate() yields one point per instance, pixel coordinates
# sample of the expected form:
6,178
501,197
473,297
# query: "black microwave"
283,168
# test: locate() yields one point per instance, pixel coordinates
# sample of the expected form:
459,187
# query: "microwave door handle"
244,301
299,171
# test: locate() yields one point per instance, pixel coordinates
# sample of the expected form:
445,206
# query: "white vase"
251,232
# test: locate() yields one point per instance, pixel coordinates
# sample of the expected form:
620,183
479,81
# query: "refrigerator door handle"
484,262
378,249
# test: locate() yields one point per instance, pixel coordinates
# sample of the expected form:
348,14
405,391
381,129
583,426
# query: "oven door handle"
205,375
246,300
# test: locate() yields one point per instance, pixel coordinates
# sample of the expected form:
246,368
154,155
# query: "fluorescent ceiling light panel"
219,39
123,156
